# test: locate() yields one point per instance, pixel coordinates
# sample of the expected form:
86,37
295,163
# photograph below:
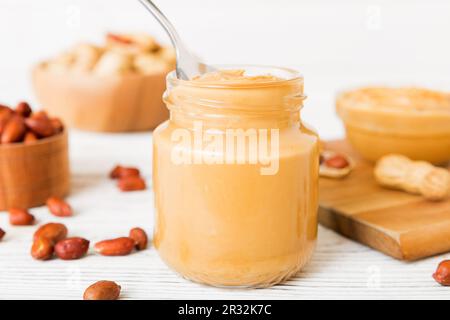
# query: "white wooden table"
340,268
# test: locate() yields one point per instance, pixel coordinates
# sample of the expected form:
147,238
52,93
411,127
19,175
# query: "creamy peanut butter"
229,77
403,100
227,218
413,122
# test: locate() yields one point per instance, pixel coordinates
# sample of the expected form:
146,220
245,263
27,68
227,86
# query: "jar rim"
286,75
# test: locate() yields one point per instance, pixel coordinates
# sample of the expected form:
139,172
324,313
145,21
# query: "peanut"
140,238
40,125
30,137
417,177
132,183
335,165
132,43
121,39
114,63
42,249
5,115
57,124
321,159
121,172
86,57
147,63
20,217
59,207
4,108
55,232
115,247
337,162
71,248
5,112
23,109
102,290
40,114
2,234
22,125
442,274
14,130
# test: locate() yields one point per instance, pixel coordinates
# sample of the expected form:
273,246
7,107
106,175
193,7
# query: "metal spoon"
188,66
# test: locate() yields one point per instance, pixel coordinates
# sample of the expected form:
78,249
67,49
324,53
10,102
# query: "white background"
335,44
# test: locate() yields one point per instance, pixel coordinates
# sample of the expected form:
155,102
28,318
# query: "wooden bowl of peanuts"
117,87
34,161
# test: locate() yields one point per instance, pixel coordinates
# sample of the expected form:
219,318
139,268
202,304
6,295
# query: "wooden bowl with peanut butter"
413,122
116,87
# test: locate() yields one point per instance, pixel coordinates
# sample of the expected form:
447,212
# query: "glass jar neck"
246,104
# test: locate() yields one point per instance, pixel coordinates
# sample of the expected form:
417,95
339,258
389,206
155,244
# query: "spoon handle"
167,25
187,64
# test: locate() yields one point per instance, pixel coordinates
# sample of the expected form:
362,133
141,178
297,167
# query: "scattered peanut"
72,248
337,162
2,234
140,238
335,165
121,172
55,232
20,217
42,249
102,290
321,159
418,177
132,183
115,247
129,178
442,274
59,207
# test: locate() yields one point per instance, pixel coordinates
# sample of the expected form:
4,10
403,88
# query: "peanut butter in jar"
236,178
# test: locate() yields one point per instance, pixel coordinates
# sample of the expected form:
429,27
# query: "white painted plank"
340,267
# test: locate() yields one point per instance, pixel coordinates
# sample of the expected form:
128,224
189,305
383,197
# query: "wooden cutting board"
404,226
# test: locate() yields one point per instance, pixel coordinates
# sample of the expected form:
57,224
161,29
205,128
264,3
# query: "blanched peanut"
86,57
131,43
114,63
149,63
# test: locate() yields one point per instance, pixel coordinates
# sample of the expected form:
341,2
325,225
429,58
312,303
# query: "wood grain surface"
401,225
31,173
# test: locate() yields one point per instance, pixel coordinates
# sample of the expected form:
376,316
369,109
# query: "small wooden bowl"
104,104
31,173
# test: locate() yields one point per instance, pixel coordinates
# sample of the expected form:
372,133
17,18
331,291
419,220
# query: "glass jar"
236,179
